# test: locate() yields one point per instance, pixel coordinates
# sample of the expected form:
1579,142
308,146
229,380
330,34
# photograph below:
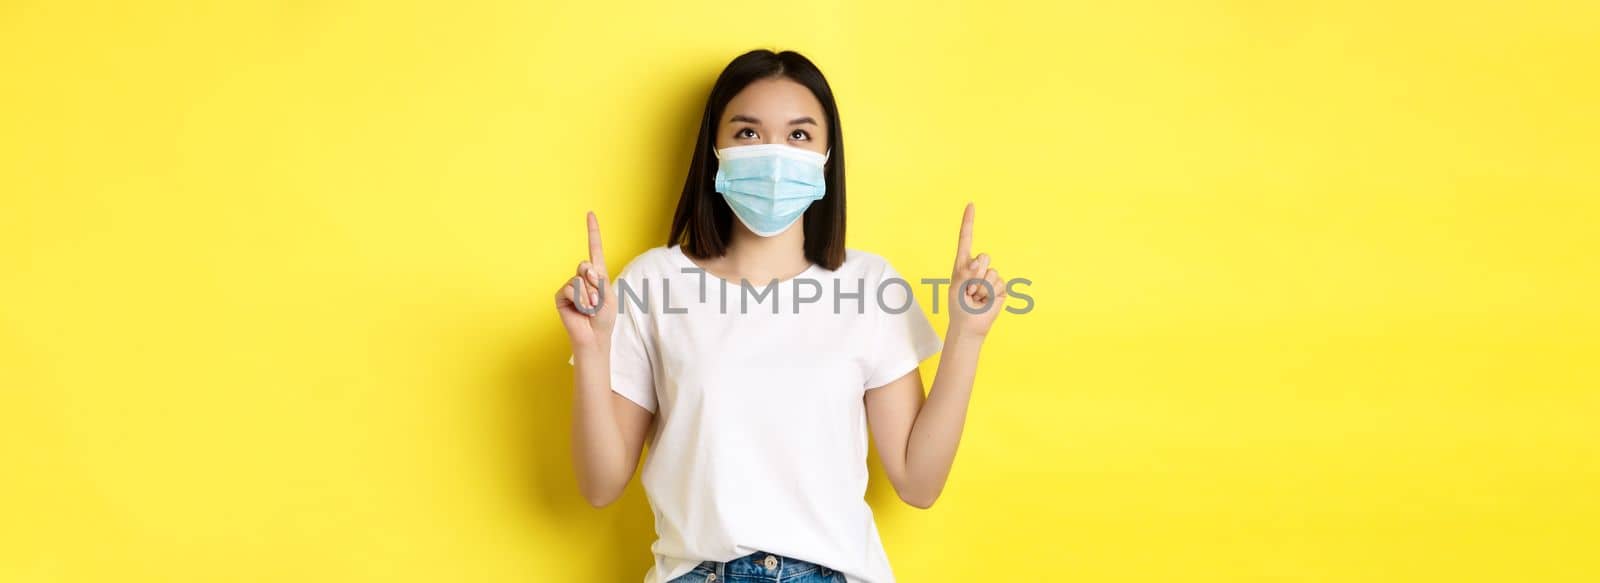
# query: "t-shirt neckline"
684,260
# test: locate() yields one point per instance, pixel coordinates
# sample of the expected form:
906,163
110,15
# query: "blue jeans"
761,567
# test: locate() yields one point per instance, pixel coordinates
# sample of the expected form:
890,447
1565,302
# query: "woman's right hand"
586,301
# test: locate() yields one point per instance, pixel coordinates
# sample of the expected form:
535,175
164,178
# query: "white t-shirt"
760,436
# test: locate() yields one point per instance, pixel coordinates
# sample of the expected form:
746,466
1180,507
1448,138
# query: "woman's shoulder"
654,261
859,262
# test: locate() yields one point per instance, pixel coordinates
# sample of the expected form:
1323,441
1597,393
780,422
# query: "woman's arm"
608,430
917,439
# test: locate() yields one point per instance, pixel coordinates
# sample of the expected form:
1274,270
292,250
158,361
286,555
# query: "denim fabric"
753,568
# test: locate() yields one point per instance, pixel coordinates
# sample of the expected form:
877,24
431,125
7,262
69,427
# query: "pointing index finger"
964,243
597,257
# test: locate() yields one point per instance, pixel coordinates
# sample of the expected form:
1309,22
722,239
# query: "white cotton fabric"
760,439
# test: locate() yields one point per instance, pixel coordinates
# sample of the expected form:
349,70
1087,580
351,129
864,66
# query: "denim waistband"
764,565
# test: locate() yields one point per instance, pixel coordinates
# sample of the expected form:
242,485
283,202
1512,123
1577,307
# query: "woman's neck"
762,259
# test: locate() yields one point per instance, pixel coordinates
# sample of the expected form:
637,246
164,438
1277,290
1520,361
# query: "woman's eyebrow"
747,119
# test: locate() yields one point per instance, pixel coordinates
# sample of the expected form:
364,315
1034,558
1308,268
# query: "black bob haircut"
703,223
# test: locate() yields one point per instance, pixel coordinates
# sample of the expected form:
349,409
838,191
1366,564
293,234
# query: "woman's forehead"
773,101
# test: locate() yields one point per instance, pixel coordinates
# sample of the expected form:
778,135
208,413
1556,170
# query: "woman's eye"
745,133
799,135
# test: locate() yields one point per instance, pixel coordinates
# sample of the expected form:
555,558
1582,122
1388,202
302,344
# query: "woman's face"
774,111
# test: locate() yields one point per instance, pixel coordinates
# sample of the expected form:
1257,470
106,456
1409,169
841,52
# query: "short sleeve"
904,339
632,376
631,373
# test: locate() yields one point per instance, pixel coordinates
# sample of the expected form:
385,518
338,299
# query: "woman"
754,349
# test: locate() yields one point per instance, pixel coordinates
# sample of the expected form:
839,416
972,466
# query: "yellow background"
1315,284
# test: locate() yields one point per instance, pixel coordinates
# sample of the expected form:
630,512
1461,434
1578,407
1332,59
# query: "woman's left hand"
973,305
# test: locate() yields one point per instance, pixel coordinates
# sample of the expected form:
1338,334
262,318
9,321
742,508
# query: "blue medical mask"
769,186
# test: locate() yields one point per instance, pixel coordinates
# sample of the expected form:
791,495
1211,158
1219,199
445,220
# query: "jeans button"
711,578
771,562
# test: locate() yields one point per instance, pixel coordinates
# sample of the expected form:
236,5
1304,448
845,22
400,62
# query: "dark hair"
703,223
